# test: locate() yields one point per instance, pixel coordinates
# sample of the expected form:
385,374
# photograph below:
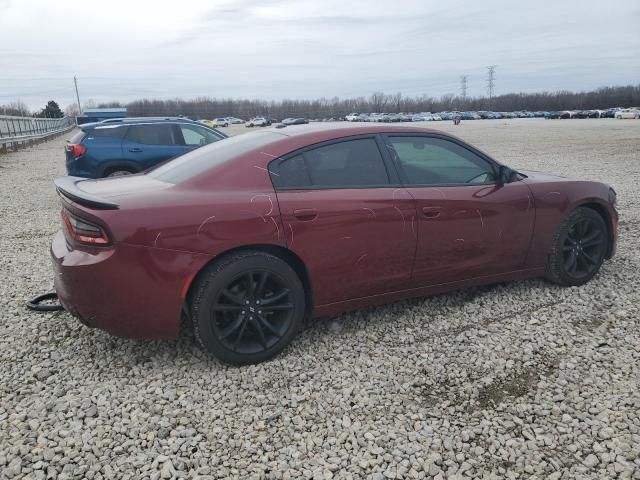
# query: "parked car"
222,122
295,121
235,120
247,237
353,117
609,113
256,122
626,113
209,123
107,150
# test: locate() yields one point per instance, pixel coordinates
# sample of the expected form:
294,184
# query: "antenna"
491,79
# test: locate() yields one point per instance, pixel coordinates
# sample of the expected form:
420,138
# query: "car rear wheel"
247,307
579,248
119,173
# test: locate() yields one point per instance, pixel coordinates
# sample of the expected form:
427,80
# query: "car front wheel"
579,248
247,307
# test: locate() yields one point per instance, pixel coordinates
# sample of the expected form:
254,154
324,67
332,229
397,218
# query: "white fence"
16,131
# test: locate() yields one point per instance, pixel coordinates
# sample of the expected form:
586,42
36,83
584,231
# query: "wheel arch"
283,253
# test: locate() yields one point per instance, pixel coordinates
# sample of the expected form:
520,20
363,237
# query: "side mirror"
504,175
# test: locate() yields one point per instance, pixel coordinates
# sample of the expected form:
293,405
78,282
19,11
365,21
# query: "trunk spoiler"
68,187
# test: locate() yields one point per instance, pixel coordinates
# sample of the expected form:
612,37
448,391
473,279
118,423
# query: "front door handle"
135,150
305,214
431,212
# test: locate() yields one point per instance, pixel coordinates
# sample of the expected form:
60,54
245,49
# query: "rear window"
110,131
198,161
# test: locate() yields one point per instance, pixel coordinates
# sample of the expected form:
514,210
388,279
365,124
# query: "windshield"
197,161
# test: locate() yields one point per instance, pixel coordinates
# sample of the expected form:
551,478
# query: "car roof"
299,136
134,121
329,130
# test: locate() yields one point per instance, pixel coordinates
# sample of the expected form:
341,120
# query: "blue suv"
108,149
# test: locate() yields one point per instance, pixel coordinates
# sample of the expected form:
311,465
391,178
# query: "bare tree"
206,107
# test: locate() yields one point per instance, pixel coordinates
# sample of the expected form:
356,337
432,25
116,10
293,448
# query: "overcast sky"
274,49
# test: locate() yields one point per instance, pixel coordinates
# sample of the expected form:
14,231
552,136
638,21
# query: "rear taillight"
84,232
76,149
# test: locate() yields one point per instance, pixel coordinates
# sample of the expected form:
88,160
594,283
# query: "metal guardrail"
16,131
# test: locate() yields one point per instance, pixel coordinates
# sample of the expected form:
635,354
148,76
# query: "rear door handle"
305,214
431,212
135,150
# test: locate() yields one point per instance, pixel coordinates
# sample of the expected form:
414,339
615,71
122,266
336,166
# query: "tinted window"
152,134
433,161
292,173
201,159
195,136
343,164
100,132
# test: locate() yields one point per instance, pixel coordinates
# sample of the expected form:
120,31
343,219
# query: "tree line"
208,107
211,107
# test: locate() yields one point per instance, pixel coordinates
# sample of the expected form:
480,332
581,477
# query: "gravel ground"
521,380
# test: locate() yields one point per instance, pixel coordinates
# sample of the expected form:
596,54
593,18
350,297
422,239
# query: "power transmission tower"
463,86
75,81
491,78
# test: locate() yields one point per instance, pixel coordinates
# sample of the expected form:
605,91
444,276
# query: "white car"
222,122
234,120
626,113
256,122
353,117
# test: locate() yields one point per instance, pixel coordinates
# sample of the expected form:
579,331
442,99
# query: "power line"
491,79
463,86
75,81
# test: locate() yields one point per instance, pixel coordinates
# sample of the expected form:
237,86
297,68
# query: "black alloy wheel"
583,248
247,307
252,312
580,246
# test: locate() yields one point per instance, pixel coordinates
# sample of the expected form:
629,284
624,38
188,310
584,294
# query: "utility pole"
463,86
75,81
491,78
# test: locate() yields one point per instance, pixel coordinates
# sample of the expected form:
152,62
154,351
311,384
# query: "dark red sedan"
248,236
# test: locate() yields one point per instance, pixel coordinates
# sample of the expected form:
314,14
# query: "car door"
345,216
468,224
148,144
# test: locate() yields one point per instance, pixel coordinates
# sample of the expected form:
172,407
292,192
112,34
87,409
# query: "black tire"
118,172
247,307
579,248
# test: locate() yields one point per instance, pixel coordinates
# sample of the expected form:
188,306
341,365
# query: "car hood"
541,176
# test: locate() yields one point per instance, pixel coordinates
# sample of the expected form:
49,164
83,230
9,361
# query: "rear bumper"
127,290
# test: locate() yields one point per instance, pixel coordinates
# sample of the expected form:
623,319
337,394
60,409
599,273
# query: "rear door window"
350,163
152,134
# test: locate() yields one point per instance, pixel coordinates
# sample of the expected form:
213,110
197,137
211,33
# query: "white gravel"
523,380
